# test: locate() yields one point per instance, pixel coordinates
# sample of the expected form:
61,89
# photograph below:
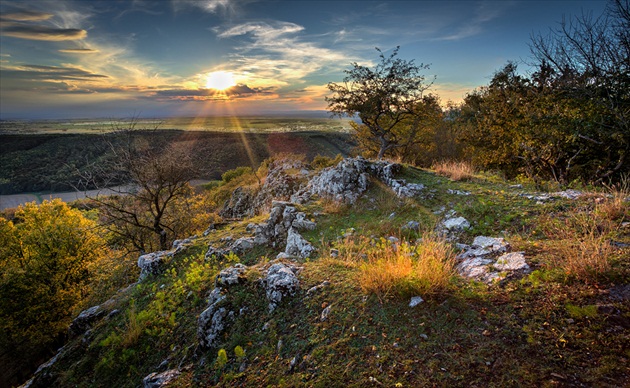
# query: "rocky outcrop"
280,282
344,182
153,263
85,319
159,380
297,246
487,260
284,178
282,227
240,204
349,179
217,317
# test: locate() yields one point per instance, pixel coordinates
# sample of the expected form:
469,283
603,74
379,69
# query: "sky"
67,59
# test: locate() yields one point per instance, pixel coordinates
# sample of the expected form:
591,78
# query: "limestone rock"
344,182
280,282
159,380
456,224
311,291
416,300
152,263
212,322
231,276
412,225
85,319
240,204
479,261
242,245
514,261
217,254
298,245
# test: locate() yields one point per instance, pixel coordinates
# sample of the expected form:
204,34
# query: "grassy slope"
541,330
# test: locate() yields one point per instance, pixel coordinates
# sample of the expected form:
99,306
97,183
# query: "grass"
405,269
455,170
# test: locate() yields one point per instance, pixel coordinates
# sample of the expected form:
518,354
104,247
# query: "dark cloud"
79,51
24,16
198,94
36,72
43,33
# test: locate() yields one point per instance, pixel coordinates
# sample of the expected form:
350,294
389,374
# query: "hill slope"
334,308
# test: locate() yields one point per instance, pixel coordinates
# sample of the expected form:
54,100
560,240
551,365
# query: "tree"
156,205
45,259
385,99
588,60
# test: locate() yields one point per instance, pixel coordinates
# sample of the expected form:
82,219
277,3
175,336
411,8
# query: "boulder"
280,282
159,380
152,263
85,319
297,245
456,224
230,276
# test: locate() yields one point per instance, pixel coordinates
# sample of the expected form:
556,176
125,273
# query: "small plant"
221,358
456,171
239,352
589,311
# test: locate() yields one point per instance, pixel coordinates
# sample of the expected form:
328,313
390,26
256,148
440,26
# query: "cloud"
237,91
211,6
262,31
50,73
275,53
24,16
79,51
484,12
43,33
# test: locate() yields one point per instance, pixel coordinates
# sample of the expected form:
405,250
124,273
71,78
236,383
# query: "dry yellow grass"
405,269
454,170
580,244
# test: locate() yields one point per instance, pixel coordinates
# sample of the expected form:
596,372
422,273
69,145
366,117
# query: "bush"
229,175
320,162
45,261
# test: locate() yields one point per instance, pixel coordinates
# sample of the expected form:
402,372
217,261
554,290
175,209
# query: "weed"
589,311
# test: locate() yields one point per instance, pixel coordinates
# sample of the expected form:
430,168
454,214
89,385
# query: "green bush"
235,173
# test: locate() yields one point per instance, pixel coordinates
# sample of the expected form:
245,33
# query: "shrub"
229,175
456,171
45,262
320,162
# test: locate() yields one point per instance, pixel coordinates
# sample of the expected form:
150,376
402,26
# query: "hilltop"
370,273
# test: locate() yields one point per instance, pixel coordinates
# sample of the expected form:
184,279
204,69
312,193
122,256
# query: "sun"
220,80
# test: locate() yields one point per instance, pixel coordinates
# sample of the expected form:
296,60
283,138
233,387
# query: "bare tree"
156,180
384,98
